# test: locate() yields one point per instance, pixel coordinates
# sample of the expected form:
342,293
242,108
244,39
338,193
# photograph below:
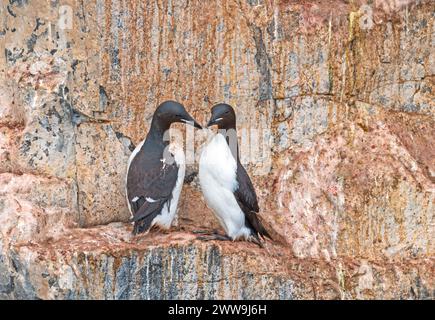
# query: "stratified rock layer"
108,263
339,95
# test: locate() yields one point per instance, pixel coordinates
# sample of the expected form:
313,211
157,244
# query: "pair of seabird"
155,176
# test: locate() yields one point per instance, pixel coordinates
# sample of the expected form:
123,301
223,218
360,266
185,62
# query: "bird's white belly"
217,176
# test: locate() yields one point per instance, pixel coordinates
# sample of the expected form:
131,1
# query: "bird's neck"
230,125
230,134
158,133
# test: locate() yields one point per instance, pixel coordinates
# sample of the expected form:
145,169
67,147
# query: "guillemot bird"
226,186
155,171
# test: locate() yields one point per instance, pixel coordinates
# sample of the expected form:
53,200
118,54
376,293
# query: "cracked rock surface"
346,182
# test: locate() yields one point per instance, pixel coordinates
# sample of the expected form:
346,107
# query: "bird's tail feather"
143,225
258,227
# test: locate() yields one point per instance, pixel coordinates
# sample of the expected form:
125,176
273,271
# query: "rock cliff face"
337,95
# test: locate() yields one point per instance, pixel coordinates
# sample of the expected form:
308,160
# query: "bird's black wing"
247,200
151,187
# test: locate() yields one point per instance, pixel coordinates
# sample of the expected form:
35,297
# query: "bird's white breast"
217,176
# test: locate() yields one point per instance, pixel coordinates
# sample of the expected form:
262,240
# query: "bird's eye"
227,112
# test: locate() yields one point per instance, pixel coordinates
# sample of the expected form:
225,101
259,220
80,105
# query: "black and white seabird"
226,186
155,171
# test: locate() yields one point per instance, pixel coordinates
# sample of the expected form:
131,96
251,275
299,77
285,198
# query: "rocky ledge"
108,263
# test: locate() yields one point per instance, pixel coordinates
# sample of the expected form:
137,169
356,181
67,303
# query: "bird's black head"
169,112
223,116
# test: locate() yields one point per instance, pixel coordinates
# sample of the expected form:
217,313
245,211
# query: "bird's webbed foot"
211,237
256,240
205,231
205,235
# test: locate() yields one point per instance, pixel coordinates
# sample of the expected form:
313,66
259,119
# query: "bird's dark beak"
196,124
189,120
213,121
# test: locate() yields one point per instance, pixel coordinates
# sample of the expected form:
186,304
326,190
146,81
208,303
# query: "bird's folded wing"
156,188
247,200
245,192
148,208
